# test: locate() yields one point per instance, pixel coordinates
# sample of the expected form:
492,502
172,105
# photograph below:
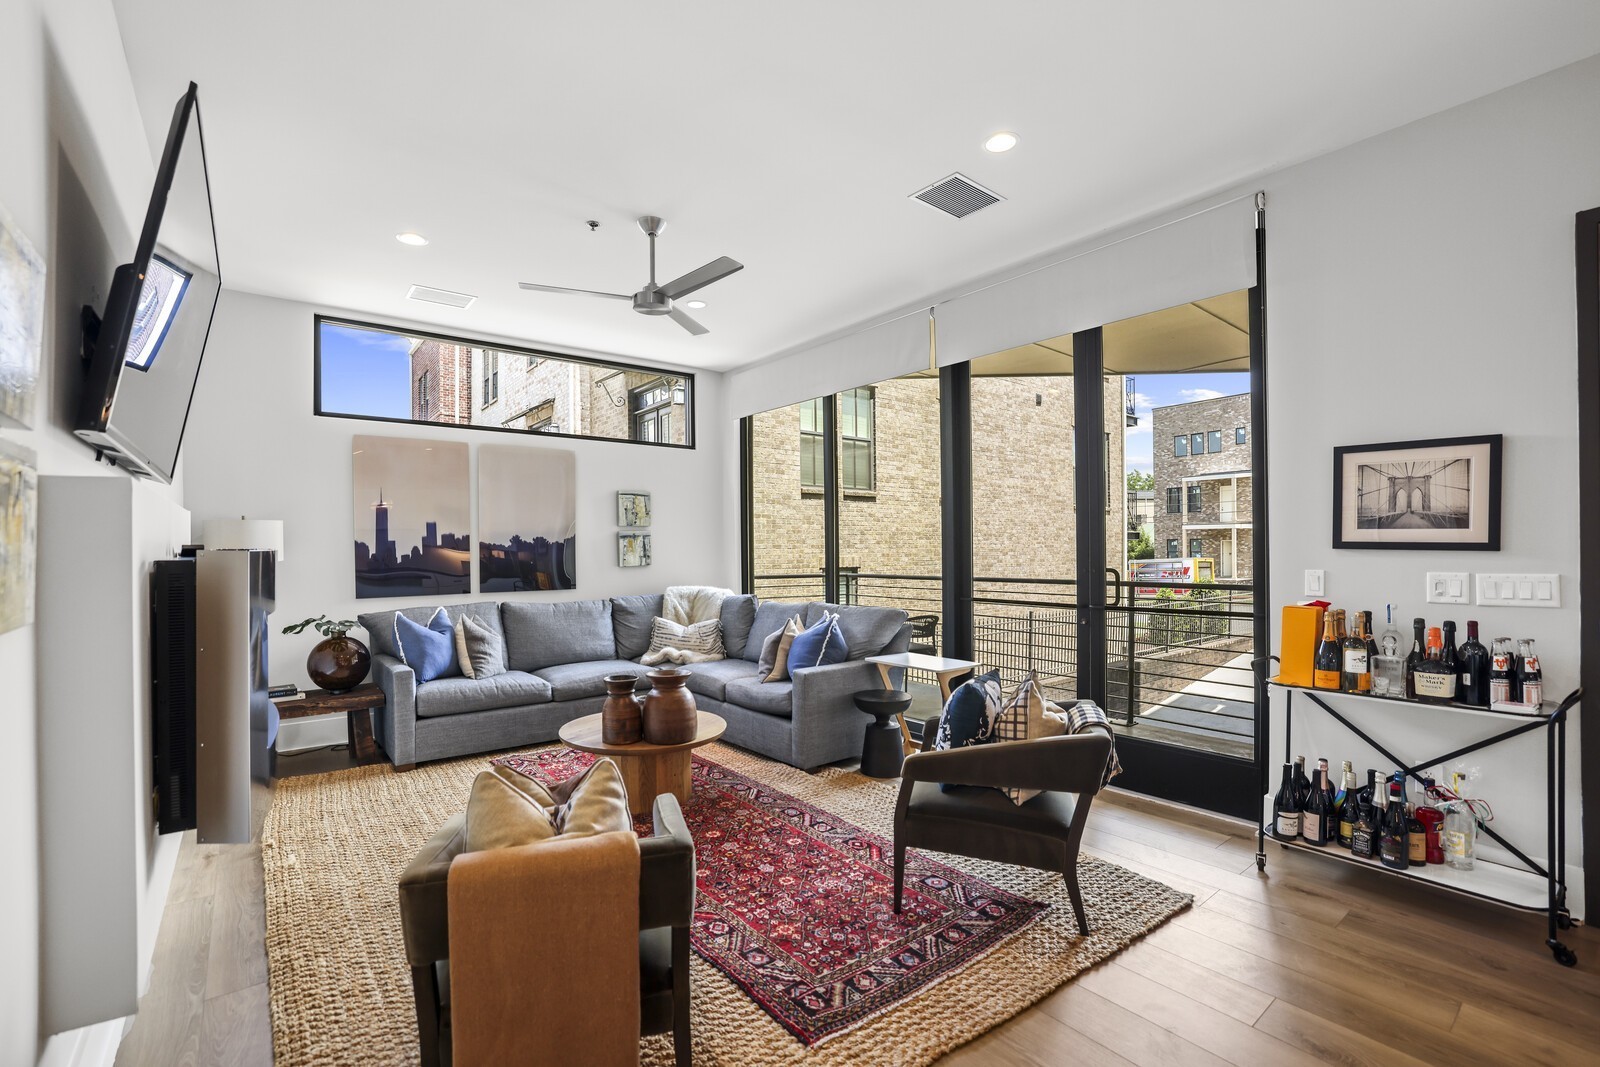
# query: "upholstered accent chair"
666,909
976,819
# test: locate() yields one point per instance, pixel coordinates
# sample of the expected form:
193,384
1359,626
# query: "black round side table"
881,754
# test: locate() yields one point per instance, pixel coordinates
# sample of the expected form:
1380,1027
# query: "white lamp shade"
261,535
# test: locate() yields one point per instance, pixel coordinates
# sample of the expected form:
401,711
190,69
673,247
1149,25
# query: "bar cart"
1531,887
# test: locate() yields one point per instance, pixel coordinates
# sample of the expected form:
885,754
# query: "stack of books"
279,693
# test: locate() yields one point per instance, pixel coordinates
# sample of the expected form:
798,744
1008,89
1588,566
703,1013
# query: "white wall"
257,450
75,169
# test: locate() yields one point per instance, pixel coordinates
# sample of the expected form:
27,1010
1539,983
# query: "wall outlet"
1520,590
1316,585
1449,587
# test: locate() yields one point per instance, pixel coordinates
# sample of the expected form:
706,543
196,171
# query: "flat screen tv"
143,353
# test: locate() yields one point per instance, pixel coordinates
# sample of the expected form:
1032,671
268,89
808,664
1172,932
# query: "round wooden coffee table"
647,770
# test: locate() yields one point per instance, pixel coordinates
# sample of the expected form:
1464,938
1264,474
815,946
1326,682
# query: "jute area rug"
340,989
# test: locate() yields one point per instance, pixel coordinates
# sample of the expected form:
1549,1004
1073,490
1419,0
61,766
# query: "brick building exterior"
441,382
1023,486
1203,484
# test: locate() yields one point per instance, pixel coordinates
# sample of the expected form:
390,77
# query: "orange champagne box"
1301,630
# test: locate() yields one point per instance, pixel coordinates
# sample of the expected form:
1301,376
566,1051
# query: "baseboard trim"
89,1046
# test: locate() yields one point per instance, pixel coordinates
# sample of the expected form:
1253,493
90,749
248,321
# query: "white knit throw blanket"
689,604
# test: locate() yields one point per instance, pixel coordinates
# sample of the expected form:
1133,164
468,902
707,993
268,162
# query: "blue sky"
365,372
1159,390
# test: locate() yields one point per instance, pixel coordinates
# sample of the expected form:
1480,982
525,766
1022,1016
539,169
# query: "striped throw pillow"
704,638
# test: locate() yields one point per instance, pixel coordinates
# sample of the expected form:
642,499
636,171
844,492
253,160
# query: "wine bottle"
1434,682
1432,820
1529,674
1325,668
1500,671
1372,646
1348,805
1302,784
1515,648
1355,670
1416,833
1394,842
1447,656
1286,807
1414,658
1314,819
1474,688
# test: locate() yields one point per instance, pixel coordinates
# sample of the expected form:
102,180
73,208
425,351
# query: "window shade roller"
888,350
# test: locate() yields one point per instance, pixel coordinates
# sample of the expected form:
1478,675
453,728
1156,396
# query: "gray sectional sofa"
558,654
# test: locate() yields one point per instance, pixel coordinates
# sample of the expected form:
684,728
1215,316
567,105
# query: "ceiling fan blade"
564,289
682,319
701,277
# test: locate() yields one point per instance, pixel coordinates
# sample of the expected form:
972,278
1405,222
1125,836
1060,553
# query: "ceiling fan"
656,299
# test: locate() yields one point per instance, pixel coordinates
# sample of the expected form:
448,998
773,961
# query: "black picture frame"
1482,533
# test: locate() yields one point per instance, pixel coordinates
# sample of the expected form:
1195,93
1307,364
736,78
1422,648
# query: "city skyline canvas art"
21,323
527,519
19,509
412,517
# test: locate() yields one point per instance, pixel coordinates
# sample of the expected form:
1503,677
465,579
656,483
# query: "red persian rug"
796,906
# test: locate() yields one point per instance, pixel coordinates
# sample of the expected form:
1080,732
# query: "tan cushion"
777,668
480,652
597,803
501,815
1022,719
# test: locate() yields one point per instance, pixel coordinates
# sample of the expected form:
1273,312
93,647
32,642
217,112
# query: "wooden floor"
1312,962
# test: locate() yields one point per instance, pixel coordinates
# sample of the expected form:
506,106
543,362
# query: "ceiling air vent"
440,296
957,195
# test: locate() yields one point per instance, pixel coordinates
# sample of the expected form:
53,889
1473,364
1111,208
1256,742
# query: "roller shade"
876,354
1200,253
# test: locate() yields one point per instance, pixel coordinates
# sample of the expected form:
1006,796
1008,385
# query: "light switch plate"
1520,590
1316,584
1449,587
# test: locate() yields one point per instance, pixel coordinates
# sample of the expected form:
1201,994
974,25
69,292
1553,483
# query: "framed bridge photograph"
1439,494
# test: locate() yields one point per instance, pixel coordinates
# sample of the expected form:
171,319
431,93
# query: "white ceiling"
786,137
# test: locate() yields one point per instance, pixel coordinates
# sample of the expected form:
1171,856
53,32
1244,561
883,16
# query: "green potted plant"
338,662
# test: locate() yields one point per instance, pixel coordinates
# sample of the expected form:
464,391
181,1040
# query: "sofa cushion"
818,645
711,679
774,698
574,681
738,612
380,624
428,649
867,631
568,631
769,619
631,617
480,651
453,696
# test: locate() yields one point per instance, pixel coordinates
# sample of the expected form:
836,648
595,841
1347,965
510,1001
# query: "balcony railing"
1178,653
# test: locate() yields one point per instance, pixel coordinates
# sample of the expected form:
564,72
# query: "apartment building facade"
1204,489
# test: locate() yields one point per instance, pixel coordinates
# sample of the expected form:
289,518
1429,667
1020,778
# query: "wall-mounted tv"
143,354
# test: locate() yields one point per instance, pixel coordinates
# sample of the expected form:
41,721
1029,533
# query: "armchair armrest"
667,869
397,722
1069,764
424,896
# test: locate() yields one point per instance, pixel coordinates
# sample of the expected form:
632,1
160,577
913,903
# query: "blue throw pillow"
820,644
969,715
429,650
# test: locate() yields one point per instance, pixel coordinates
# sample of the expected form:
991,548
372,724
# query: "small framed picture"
1439,494
633,550
633,510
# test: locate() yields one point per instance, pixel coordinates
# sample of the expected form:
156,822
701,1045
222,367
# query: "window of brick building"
1194,497
491,374
1239,435
1172,548
856,439
540,417
1175,500
1180,445
1196,546
422,395
810,443
652,412
1197,444
1214,441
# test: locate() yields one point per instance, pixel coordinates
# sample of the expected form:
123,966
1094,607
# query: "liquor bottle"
1355,670
1528,673
1416,837
1372,645
1325,668
1315,820
1447,656
1500,671
1365,837
1434,682
1286,807
1348,804
1388,668
1394,840
1302,784
1474,688
1432,820
1460,830
1414,658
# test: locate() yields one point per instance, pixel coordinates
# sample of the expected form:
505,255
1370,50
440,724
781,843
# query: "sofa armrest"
424,894
826,721
397,722
1068,764
667,869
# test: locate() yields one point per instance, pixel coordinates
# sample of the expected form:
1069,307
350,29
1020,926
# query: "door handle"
1116,585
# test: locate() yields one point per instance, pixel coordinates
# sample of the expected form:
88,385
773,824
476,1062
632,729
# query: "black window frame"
1196,547
1217,434
491,374
813,440
1241,436
1180,446
691,408
870,440
1194,439
1173,545
1194,498
1174,500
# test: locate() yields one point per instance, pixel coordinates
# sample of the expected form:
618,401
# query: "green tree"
1141,548
1140,480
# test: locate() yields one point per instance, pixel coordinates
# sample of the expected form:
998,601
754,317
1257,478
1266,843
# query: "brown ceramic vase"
670,717
620,720
338,664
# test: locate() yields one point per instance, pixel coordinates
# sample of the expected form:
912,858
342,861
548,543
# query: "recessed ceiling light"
1004,141
409,238
696,304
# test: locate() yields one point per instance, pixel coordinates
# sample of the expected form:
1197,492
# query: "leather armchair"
983,823
666,909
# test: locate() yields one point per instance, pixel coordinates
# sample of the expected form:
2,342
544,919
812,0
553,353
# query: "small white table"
939,666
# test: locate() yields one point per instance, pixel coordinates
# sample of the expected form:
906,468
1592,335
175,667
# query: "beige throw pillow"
502,814
774,663
1022,718
479,650
598,802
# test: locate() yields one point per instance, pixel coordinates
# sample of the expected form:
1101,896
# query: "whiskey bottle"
1365,836
1394,841
1414,659
1325,668
1286,807
1355,674
1347,804
1529,675
1474,687
1434,682
1447,656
